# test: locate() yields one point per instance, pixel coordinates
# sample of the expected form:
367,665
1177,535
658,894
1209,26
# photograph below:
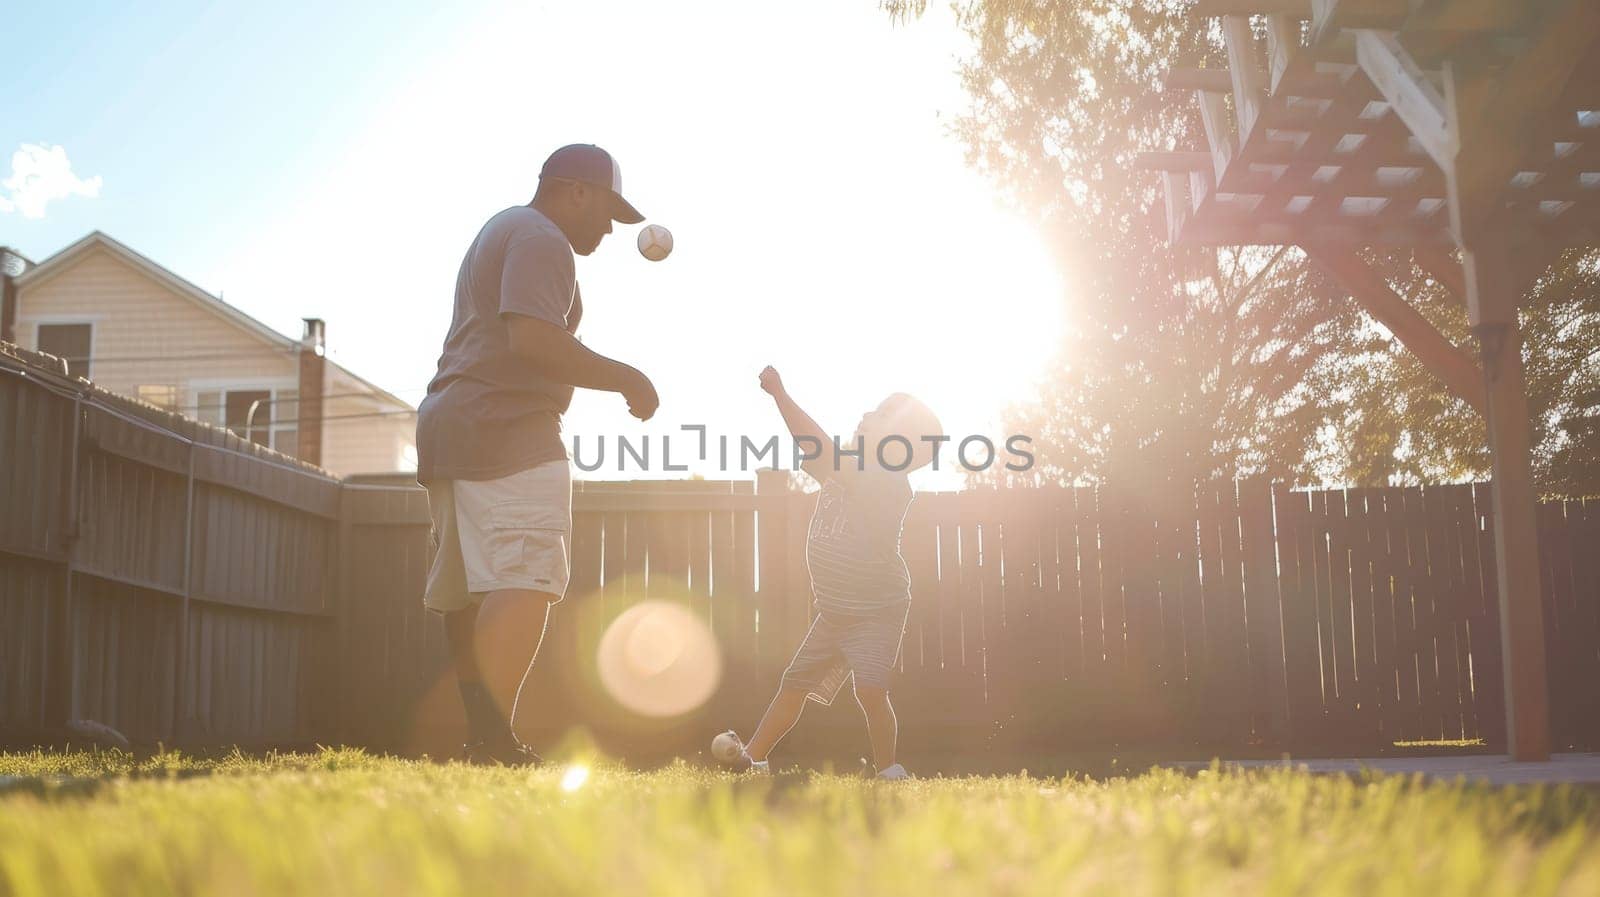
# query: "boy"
862,587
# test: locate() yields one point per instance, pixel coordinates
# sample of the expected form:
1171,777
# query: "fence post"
63,668
180,666
340,661
773,562
1265,632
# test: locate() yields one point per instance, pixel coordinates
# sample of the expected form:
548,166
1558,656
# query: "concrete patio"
1495,769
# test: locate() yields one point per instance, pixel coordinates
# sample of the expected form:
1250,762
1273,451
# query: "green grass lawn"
344,823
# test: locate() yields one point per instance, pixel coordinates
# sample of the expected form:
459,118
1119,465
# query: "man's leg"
506,640
511,535
483,720
781,715
492,648
882,728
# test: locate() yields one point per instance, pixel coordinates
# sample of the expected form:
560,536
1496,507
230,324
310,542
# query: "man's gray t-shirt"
488,412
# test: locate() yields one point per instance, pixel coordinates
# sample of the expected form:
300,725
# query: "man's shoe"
894,773
511,753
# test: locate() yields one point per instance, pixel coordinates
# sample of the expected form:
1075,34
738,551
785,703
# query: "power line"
266,424
196,406
294,465
181,356
376,392
368,393
94,360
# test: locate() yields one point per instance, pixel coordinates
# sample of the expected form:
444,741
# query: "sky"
335,161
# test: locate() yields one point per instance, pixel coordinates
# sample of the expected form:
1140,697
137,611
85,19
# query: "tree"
1186,361
1396,424
1201,363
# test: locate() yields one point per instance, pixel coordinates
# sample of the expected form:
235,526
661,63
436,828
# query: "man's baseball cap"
589,164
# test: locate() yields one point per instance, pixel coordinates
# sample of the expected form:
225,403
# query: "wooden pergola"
1464,131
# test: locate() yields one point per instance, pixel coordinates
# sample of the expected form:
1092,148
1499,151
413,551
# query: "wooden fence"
156,574
186,586
1224,617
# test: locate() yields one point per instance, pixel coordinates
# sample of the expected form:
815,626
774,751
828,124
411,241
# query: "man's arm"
801,425
575,314
557,354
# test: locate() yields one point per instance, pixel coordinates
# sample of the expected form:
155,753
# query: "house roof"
67,257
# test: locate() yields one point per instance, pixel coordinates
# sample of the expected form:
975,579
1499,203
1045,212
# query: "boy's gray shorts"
836,646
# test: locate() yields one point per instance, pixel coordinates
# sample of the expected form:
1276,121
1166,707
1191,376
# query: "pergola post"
1492,291
1416,125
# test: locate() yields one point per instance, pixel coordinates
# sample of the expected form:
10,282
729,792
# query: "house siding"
148,334
144,334
378,441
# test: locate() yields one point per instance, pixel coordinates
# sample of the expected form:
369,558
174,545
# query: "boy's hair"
915,420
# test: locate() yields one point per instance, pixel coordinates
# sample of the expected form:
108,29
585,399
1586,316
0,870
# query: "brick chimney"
313,376
11,265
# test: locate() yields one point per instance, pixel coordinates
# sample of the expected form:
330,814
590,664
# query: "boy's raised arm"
801,425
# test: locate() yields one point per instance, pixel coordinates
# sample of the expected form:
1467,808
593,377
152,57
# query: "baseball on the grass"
726,747
655,242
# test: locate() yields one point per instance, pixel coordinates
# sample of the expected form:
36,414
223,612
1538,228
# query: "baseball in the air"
655,242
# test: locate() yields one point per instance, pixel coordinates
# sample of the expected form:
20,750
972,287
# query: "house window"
248,413
269,417
208,406
286,422
163,397
68,341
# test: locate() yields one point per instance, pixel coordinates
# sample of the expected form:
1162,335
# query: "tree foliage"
1195,362
1185,361
1396,423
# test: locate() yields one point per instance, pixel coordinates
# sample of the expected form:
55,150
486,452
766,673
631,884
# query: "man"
489,446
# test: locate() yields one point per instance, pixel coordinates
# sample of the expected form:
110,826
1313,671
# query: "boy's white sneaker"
742,761
894,773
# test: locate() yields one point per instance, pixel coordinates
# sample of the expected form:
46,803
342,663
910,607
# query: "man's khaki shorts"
509,533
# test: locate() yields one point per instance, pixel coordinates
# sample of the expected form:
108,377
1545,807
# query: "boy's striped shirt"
853,543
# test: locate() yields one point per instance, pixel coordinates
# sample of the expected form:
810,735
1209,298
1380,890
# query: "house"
133,327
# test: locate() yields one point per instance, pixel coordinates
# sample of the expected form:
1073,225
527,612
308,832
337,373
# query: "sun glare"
1015,328
996,323
658,659
574,777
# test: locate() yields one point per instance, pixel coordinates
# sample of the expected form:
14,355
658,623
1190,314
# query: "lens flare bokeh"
658,659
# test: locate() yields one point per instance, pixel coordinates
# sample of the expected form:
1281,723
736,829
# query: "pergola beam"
1531,264
1492,117
1328,17
1176,186
1414,98
1217,80
1441,264
1434,126
1219,135
1283,47
1451,365
1175,160
1214,8
1249,86
1473,16
1527,266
